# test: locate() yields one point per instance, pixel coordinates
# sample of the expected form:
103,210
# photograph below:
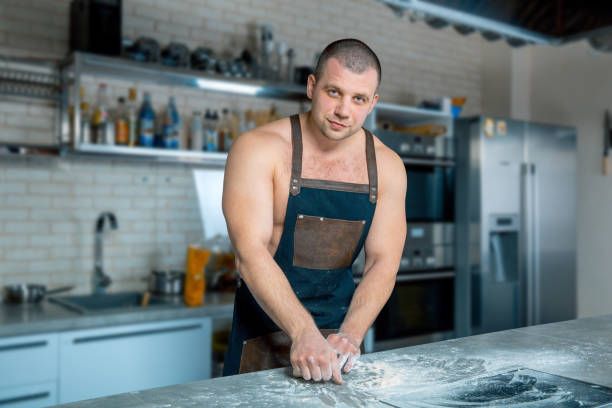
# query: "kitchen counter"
47,317
579,349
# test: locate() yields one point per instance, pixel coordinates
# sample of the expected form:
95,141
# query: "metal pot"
29,293
164,282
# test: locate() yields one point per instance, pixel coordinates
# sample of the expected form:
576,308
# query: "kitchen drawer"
29,396
100,362
28,360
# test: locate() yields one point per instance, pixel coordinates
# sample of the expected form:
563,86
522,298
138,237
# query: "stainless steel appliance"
421,306
516,211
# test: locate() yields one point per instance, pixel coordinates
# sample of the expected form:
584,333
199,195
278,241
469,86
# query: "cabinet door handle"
32,344
13,400
105,337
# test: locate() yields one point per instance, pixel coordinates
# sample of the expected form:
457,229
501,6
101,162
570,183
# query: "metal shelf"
211,159
125,69
79,64
408,114
29,78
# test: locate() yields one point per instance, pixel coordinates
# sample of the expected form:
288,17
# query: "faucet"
100,279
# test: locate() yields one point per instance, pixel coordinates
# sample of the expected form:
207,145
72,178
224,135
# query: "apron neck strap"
371,161
296,160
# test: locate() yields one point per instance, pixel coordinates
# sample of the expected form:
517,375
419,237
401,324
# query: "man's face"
341,99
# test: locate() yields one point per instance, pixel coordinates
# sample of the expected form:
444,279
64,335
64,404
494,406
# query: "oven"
421,306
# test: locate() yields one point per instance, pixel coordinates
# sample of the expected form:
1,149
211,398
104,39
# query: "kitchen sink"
110,301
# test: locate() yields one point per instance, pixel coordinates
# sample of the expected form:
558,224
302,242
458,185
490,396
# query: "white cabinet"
28,371
29,396
106,361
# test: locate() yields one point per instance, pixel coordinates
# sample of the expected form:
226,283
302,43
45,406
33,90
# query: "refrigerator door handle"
526,272
535,243
530,242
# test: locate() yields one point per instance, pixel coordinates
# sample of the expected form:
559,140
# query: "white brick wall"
48,205
47,220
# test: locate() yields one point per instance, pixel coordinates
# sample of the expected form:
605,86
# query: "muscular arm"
383,249
248,197
248,209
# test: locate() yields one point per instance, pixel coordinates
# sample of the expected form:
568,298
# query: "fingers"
336,376
326,371
304,371
315,370
351,362
343,358
296,371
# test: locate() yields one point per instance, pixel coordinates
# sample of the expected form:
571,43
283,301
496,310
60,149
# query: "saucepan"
30,293
163,282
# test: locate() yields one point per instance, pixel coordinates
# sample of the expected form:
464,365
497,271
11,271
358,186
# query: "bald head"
353,54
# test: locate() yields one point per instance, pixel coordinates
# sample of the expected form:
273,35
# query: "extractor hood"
519,22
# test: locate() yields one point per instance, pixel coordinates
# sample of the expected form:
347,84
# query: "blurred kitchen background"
502,130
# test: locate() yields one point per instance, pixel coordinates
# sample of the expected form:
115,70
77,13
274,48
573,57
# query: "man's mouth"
336,125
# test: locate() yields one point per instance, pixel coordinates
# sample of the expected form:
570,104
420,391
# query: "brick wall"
48,205
48,208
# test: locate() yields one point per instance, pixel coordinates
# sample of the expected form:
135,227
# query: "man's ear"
310,86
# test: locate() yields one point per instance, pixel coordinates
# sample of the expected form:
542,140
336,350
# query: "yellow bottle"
195,284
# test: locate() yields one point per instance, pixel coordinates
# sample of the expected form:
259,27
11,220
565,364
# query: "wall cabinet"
106,361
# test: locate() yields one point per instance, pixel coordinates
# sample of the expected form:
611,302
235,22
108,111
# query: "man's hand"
313,358
347,349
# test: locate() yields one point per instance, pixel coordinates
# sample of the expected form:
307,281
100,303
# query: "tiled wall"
48,209
48,205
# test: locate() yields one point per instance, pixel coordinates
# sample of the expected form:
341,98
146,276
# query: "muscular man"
301,197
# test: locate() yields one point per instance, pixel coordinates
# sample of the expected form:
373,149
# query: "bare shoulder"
263,146
391,170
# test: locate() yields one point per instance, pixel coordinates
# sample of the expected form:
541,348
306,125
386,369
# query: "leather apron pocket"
325,243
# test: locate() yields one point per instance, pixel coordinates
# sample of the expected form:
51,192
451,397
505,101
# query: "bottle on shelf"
146,122
85,123
170,126
210,131
72,139
132,115
177,129
102,129
122,136
196,132
249,121
224,131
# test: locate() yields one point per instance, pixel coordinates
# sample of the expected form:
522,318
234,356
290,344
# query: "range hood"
518,22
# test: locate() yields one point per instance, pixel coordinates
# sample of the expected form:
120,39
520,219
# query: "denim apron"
325,227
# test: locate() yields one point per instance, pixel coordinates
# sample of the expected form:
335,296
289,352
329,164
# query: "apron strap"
296,162
371,161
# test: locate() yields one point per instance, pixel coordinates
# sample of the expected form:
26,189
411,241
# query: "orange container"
195,284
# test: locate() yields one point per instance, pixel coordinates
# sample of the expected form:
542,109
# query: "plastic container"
195,283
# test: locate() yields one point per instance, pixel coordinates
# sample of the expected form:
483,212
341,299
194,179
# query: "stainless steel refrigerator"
515,223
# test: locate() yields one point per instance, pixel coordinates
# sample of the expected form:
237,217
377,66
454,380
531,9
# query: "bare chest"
348,170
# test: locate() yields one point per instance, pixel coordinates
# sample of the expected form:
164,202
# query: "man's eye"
333,92
359,99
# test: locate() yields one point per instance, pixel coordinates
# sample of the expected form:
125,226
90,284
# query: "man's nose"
342,108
